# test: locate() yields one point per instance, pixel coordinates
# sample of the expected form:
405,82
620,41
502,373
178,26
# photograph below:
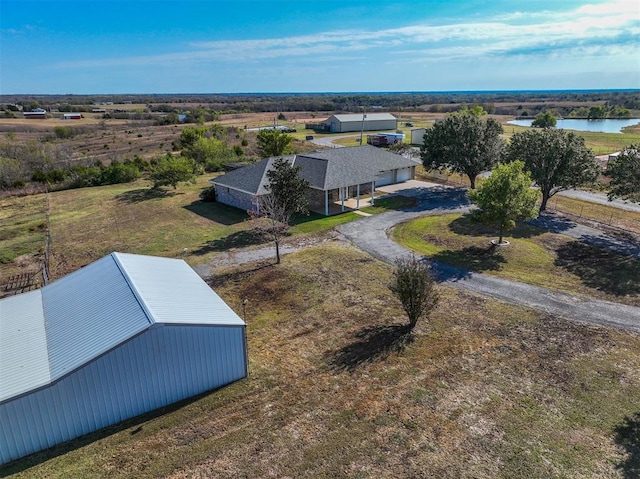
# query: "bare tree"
272,220
286,197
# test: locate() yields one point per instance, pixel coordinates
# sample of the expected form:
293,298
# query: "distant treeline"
500,102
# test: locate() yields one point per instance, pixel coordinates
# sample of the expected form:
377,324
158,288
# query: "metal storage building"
115,339
356,122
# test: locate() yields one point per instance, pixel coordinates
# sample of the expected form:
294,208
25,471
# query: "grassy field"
89,223
338,389
534,256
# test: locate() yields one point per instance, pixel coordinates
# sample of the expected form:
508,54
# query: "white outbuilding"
115,339
360,122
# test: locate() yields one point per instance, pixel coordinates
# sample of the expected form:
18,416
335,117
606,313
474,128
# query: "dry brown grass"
482,390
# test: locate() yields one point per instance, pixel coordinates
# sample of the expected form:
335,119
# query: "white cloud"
590,29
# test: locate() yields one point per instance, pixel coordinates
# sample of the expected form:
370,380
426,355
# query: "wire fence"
46,263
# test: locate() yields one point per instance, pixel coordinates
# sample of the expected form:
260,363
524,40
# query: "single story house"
334,175
120,337
360,122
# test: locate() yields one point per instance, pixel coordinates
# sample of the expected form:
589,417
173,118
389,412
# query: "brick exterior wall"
236,198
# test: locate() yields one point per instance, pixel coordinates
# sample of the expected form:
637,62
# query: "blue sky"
184,46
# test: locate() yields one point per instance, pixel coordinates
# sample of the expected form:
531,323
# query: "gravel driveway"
370,235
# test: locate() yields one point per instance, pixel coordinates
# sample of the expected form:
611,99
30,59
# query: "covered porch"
338,200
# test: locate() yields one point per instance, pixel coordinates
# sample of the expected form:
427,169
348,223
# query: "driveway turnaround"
371,235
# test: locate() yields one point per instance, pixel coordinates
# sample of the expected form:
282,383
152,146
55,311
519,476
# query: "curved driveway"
370,235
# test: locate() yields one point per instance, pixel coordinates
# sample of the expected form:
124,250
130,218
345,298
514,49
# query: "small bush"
208,194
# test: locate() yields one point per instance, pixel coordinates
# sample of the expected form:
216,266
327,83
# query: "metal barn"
115,339
360,122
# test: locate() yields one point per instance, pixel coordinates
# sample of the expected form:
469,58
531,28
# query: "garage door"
404,174
384,178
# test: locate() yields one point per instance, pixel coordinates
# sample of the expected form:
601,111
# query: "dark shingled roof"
323,169
251,178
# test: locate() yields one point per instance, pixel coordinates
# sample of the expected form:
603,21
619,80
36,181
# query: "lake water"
603,126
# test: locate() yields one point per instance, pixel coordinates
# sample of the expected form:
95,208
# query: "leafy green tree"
544,120
272,142
624,172
190,135
558,160
597,112
171,170
286,197
463,143
414,286
211,153
505,197
619,112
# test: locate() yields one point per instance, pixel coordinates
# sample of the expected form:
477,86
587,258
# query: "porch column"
373,190
326,202
358,196
342,195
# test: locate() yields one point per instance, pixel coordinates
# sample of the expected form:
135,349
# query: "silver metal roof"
48,333
358,117
173,293
24,360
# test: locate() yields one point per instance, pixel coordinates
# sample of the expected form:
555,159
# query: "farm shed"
72,116
334,175
35,113
417,136
355,122
115,339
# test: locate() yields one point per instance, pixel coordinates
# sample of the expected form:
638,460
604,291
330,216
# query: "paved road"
600,198
370,234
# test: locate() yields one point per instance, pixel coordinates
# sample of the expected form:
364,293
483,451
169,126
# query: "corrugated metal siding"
174,293
159,367
88,313
24,362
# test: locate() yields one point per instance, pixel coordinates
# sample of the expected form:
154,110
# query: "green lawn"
534,256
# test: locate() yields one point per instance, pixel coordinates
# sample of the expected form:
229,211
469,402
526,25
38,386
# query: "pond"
603,126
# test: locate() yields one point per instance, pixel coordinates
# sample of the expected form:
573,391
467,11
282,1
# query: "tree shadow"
621,245
445,272
145,194
627,435
551,222
600,268
473,258
438,197
239,239
370,345
219,280
222,214
467,225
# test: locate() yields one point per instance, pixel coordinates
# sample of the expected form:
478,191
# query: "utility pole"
364,115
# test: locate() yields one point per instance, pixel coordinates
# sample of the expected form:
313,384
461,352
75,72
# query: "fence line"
47,243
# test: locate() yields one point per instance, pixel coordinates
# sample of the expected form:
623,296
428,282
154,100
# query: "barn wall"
161,366
369,125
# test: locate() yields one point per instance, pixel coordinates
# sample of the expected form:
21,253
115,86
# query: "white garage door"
404,174
384,178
